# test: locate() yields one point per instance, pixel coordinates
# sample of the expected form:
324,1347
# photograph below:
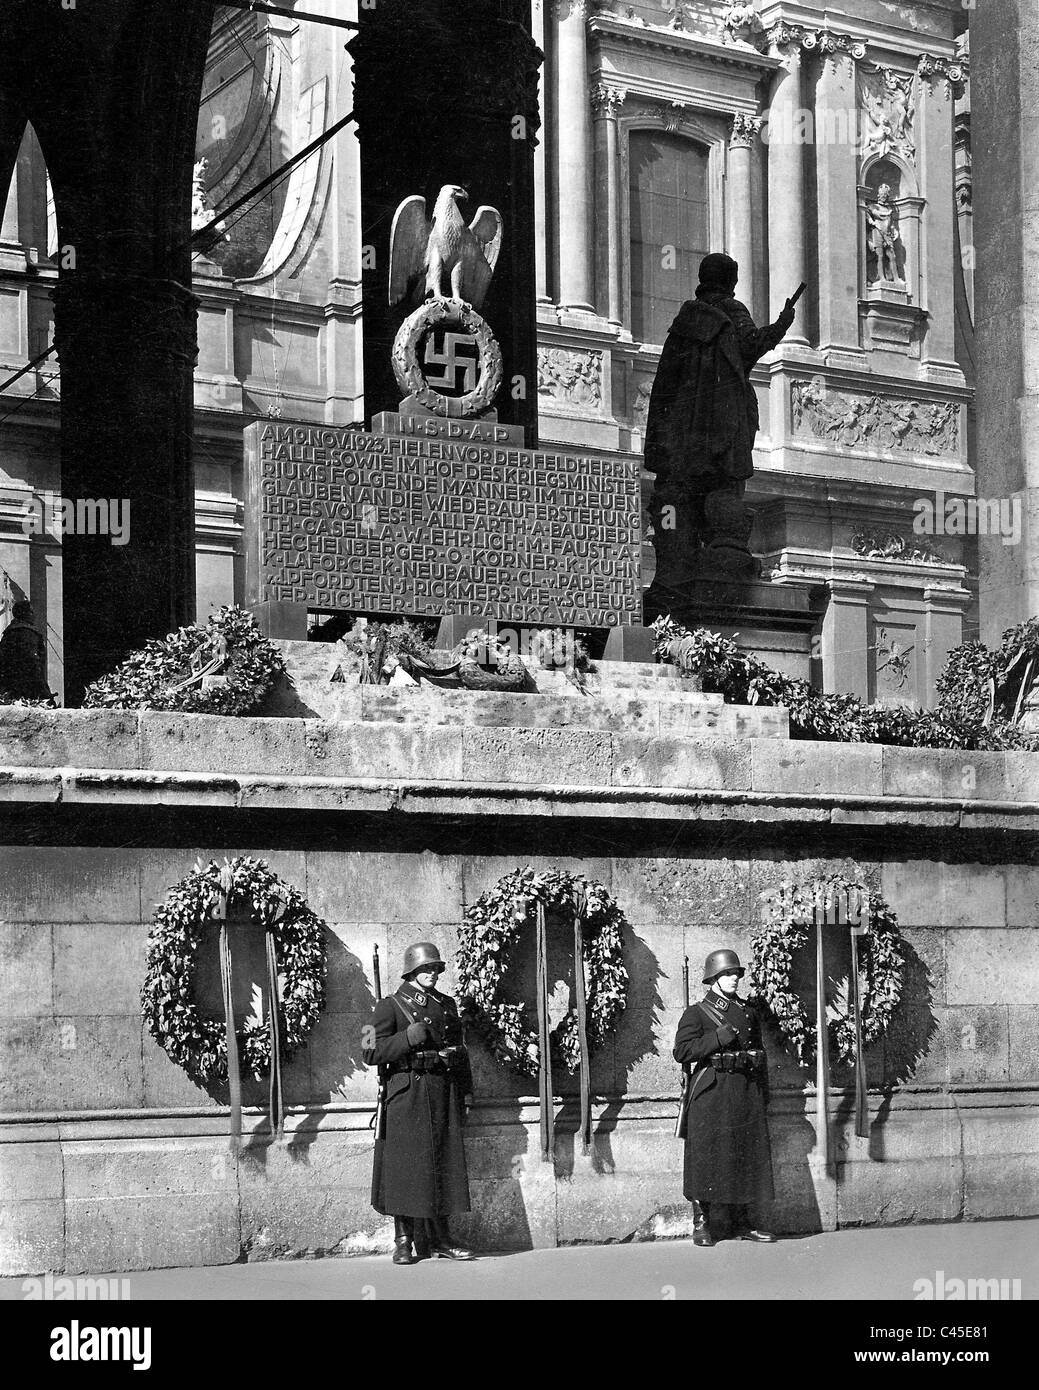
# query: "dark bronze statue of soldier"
728,1157
419,1176
703,418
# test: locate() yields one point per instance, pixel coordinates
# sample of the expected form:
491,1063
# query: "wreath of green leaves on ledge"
496,921
148,678
785,931
183,920
980,692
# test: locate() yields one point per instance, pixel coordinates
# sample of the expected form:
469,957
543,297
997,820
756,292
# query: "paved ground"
867,1264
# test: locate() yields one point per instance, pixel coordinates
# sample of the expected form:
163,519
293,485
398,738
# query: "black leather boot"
701,1224
440,1242
745,1231
403,1234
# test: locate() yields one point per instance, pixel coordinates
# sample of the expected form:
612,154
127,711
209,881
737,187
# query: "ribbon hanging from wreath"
212,1050
875,978
517,902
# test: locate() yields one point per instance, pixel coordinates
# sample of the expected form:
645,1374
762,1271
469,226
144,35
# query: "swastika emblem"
455,354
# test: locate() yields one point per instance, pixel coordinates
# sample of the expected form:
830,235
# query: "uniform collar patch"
719,1002
414,993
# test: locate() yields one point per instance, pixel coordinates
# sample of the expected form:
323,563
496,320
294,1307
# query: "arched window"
670,227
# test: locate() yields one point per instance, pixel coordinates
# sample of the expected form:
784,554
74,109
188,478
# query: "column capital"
796,39
745,130
954,72
607,100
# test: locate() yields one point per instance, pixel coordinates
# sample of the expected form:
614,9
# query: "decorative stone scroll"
890,109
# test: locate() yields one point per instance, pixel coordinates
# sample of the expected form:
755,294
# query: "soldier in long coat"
420,1176
728,1158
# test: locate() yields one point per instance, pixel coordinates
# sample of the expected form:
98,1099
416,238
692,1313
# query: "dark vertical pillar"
446,92
113,89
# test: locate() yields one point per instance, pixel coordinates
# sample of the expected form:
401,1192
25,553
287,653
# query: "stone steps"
619,697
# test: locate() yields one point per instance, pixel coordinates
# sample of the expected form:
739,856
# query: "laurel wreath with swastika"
408,369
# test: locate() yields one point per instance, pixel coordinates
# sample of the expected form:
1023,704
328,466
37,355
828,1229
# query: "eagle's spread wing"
409,237
487,227
480,254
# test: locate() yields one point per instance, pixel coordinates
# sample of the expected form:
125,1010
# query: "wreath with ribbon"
297,968
791,912
225,667
497,920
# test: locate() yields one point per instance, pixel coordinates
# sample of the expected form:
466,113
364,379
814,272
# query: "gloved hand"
786,316
419,1034
726,1035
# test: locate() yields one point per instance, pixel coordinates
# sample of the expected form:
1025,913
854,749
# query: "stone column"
1005,138
786,191
606,101
837,204
846,637
935,118
541,164
574,156
740,211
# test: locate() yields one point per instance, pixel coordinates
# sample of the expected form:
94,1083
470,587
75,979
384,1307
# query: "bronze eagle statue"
441,257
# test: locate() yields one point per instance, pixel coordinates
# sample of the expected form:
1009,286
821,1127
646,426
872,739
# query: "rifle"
378,1120
680,1122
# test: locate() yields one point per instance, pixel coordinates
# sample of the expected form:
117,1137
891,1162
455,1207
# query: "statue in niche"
882,238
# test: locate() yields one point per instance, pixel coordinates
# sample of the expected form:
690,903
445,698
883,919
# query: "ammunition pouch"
748,1061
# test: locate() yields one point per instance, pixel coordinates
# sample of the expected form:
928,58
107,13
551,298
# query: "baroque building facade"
810,145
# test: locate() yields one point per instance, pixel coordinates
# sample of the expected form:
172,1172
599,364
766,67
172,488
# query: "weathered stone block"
817,768
549,757
337,1071
68,738
714,764
106,1169
973,776
1024,1042
99,967
1022,776
974,895
988,967
44,884
1004,1185
384,751
99,1063
26,955
972,1045
158,1232
213,743
349,986
598,1208
167,1085
913,890
679,890
30,1172
915,772
384,887
871,1194
32,1236
1022,881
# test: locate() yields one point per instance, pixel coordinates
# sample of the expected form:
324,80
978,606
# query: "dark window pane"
669,209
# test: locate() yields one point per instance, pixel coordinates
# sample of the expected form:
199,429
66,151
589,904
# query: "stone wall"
110,1158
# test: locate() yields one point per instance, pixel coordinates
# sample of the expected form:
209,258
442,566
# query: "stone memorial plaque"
341,519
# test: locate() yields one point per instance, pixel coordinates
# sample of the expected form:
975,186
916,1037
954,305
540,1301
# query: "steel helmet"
422,953
718,962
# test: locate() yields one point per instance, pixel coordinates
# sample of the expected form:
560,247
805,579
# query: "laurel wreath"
158,677
180,925
491,927
785,931
408,370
